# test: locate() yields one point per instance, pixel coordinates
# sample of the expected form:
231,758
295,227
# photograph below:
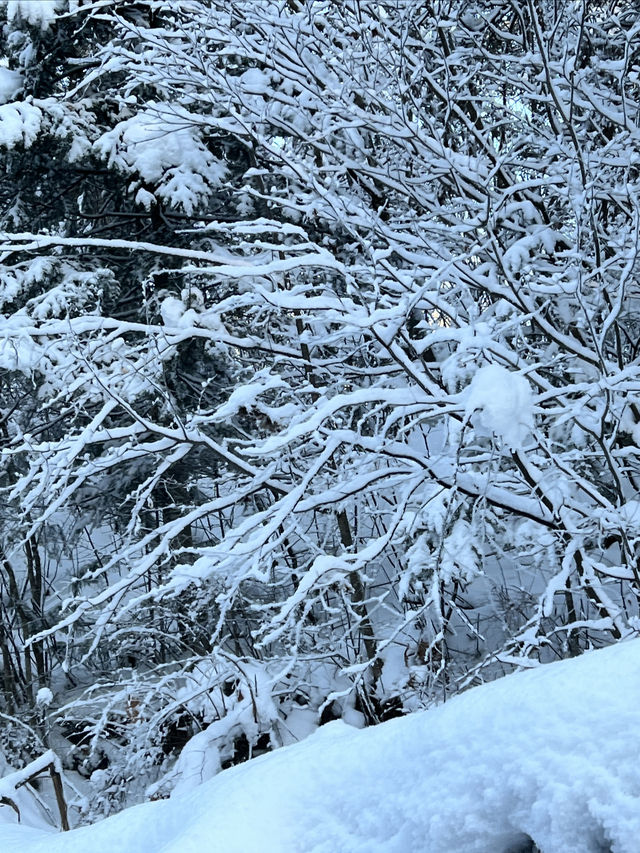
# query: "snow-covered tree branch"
319,371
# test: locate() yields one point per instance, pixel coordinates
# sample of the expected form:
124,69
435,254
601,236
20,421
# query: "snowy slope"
549,753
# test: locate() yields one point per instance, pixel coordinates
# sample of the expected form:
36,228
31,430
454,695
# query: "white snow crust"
548,753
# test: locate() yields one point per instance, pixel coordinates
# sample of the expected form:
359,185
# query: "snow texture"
499,402
165,150
545,754
37,13
10,84
19,124
18,798
44,697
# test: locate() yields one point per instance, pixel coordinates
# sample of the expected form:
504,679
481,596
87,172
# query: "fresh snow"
44,697
10,84
162,146
499,402
546,754
39,13
19,124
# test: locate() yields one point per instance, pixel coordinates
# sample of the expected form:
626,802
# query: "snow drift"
548,754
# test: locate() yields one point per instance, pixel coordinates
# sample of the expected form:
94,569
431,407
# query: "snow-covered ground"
549,753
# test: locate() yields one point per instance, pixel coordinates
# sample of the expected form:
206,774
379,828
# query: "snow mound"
163,145
545,754
499,402
10,84
19,123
